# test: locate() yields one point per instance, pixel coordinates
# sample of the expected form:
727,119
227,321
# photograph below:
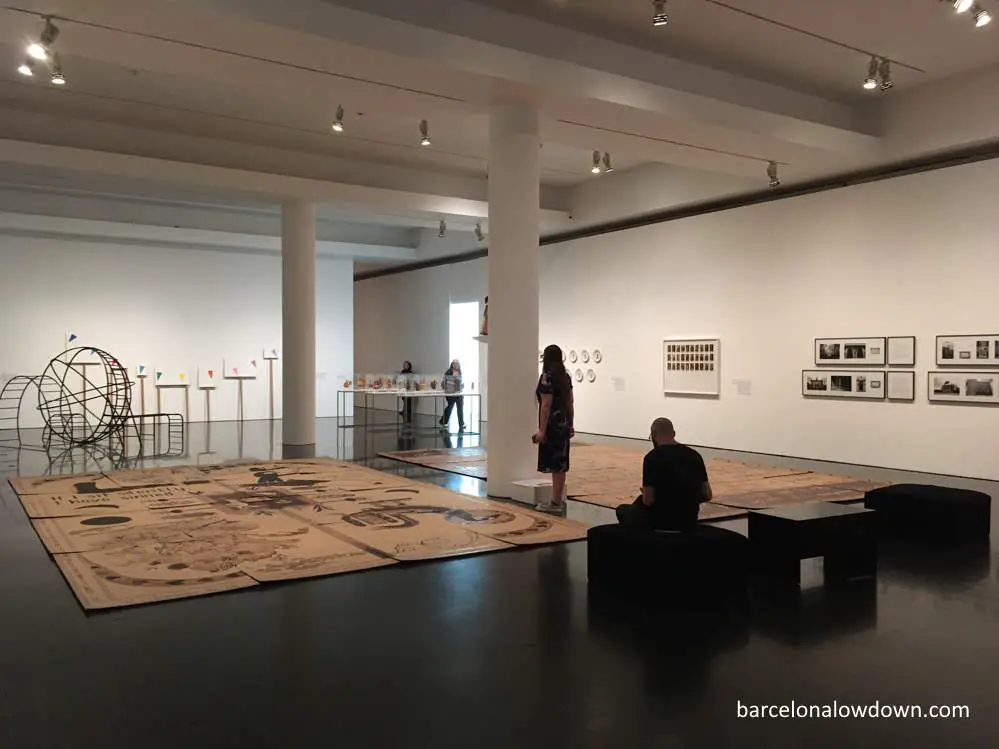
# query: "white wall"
911,256
406,316
175,310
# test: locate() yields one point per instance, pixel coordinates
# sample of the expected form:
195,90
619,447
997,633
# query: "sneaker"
551,508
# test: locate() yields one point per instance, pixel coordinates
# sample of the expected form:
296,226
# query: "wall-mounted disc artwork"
591,376
597,356
585,356
573,357
579,375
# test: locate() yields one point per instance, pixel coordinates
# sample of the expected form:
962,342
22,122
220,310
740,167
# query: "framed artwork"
902,351
901,386
963,387
171,379
692,366
968,350
850,352
271,354
141,370
857,383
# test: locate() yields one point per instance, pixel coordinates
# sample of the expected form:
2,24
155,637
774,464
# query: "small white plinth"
532,491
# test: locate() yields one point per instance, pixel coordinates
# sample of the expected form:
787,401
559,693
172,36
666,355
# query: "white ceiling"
250,88
799,43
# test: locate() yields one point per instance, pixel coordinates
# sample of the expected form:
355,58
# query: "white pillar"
298,325
514,213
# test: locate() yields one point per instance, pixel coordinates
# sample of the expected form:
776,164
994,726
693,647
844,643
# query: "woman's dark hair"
552,365
407,366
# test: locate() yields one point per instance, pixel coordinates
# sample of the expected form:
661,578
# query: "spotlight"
27,67
963,5
596,163
58,79
772,174
425,140
982,17
338,122
40,50
871,82
607,163
659,17
443,229
884,72
478,232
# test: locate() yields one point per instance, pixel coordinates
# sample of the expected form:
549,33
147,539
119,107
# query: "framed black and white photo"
968,350
963,387
902,351
847,383
691,366
901,386
850,352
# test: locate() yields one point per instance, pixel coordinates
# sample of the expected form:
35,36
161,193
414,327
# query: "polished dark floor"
501,650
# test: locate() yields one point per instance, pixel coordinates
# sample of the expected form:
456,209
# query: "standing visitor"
406,380
453,383
555,425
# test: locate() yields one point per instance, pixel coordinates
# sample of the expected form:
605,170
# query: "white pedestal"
532,491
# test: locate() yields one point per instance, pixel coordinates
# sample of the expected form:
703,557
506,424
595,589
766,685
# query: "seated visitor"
674,484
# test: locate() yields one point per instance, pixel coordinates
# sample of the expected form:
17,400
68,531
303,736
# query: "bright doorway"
464,327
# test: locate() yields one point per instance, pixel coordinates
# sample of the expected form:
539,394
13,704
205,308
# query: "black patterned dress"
553,453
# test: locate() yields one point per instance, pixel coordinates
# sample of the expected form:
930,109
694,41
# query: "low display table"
845,536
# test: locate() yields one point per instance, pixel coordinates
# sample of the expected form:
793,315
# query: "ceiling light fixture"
58,79
27,67
871,82
425,139
596,169
772,174
884,73
40,50
659,17
607,163
443,229
478,232
982,17
962,6
338,122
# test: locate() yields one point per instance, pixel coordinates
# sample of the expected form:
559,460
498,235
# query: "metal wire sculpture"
93,400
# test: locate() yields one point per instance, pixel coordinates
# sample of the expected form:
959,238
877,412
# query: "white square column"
514,215
298,326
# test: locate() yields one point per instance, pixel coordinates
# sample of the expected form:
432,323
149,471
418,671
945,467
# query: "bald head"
662,431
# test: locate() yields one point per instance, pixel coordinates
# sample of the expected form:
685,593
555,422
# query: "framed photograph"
968,350
692,366
901,386
856,383
902,351
850,352
963,387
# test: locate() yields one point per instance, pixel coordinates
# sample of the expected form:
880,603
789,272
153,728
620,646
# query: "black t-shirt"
676,473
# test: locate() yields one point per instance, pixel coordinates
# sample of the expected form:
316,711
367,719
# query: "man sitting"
674,484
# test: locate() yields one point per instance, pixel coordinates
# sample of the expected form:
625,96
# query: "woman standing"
454,384
555,424
406,379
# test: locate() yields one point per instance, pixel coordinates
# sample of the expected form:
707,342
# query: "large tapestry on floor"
145,536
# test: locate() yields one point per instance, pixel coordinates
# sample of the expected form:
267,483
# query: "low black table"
846,536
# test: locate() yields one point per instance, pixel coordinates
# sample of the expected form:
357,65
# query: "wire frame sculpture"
93,399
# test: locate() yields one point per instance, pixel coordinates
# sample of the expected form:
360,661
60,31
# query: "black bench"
930,514
703,563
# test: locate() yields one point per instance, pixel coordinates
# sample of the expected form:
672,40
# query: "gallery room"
600,372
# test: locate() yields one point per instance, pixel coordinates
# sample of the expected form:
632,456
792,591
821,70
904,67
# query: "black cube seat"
930,514
704,562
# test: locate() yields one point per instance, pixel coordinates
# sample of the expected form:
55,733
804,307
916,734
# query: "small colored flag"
72,337
211,374
181,376
158,375
253,362
142,369
235,371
